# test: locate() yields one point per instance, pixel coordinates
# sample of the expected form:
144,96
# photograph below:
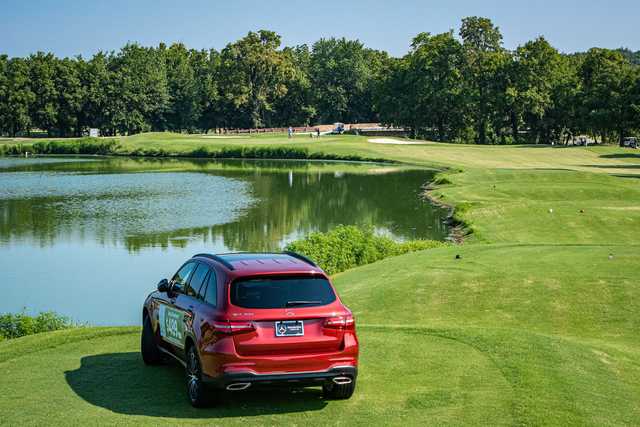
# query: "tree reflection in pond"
240,205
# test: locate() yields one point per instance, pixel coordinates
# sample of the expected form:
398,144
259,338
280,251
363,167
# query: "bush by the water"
81,146
75,146
349,246
21,324
12,149
298,153
111,146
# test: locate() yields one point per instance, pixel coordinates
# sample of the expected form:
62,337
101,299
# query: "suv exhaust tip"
238,386
342,380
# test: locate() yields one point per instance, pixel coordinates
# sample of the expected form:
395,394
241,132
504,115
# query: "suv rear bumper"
301,379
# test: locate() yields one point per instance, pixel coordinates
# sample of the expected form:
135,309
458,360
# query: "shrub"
200,152
12,149
348,246
148,152
255,153
81,146
21,324
266,152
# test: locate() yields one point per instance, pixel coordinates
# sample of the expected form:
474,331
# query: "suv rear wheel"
196,391
151,355
331,390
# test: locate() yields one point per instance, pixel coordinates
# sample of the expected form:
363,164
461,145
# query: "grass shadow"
627,176
555,146
122,383
629,166
621,156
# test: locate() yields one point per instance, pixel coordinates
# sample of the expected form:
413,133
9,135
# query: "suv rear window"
282,292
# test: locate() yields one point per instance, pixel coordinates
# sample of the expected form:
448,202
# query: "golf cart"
338,128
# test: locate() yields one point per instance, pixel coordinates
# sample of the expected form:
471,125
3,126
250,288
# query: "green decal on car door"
171,325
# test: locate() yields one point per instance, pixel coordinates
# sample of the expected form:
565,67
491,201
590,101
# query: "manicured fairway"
536,322
610,160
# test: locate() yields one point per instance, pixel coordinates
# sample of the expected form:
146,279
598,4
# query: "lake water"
90,237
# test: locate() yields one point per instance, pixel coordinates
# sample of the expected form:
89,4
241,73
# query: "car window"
203,288
282,292
197,280
182,276
211,295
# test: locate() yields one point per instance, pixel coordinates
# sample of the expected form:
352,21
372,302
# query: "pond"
90,237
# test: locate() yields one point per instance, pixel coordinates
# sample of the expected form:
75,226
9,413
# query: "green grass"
103,380
546,206
593,159
535,323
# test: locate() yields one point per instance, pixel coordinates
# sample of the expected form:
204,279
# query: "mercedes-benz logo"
290,313
282,330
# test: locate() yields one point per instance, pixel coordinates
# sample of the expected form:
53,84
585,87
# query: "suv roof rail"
216,258
301,257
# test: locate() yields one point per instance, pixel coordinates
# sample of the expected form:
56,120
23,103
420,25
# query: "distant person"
290,132
318,132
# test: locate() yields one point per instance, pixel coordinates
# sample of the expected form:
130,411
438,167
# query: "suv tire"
196,390
151,354
333,391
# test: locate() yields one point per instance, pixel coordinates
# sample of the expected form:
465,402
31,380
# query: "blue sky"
70,27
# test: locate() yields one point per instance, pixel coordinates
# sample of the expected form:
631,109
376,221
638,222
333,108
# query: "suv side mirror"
163,285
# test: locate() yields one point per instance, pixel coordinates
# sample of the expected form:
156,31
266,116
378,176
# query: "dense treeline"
465,88
250,83
472,89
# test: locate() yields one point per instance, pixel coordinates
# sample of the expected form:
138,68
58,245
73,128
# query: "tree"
563,117
296,106
252,75
483,55
629,55
70,94
138,97
533,75
4,93
435,84
42,69
16,96
609,85
343,74
393,95
206,66
184,109
95,108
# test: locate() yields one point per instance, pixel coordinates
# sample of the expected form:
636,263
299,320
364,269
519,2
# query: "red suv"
245,319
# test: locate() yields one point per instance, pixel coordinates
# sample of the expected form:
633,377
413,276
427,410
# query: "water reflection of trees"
291,200
316,201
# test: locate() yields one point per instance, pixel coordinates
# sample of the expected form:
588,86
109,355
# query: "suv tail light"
230,327
346,323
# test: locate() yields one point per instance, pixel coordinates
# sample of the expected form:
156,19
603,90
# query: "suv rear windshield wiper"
297,303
